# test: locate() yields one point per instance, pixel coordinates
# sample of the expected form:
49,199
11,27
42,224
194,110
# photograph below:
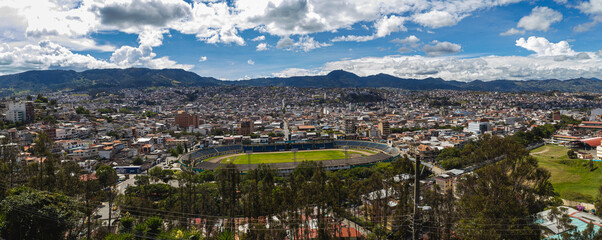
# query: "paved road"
104,214
103,211
122,186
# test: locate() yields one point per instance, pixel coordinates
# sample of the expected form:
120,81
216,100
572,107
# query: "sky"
460,40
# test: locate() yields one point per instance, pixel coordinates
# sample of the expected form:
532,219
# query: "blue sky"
455,40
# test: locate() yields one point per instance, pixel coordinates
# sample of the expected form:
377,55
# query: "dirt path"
541,152
353,153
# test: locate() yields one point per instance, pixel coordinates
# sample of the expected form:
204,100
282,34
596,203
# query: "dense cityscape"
156,163
300,120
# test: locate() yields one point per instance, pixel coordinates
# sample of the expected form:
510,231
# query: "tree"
154,225
571,154
206,176
150,114
141,180
217,132
45,180
82,110
32,214
125,110
156,173
9,166
138,161
512,191
107,176
105,110
180,149
598,202
67,176
588,234
126,223
228,179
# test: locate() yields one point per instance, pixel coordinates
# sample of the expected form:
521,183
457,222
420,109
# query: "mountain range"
52,80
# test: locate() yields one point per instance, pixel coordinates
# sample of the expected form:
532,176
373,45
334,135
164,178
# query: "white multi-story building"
20,112
478,127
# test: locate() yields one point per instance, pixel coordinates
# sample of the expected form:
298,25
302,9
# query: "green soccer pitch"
281,157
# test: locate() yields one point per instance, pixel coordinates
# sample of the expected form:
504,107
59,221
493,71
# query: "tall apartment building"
185,120
385,128
20,112
350,127
246,127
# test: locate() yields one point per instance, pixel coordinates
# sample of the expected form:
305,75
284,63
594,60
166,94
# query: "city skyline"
459,40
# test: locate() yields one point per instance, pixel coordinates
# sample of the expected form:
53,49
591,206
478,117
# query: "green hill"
52,80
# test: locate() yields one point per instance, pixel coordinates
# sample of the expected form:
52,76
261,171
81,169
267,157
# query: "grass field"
571,178
279,157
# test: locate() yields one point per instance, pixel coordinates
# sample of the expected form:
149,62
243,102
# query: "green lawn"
571,178
278,157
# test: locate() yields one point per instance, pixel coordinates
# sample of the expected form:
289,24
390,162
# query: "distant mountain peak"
341,73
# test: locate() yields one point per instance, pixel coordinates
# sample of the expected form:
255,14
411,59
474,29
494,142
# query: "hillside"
50,80
101,78
341,78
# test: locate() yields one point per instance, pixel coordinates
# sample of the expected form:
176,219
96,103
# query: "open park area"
573,179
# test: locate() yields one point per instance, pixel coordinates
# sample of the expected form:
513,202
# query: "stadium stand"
384,153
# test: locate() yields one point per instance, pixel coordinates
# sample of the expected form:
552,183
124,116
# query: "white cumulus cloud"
143,56
354,38
407,40
258,38
43,56
463,69
540,19
593,8
542,47
305,43
72,22
262,47
49,55
388,25
384,27
437,19
512,31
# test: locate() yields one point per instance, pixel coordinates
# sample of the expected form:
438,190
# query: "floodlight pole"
295,156
249,157
346,154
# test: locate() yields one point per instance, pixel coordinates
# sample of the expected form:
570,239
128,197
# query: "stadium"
284,157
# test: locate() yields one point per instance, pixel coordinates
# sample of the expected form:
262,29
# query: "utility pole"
415,231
